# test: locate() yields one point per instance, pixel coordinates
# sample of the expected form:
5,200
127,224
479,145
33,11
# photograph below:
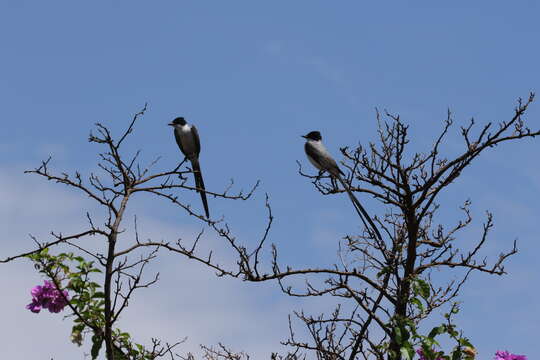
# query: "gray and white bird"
187,138
320,158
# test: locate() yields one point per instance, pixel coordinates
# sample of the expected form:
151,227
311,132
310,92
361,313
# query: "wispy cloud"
320,65
189,301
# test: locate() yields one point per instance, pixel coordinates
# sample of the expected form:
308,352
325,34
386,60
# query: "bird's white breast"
185,128
320,148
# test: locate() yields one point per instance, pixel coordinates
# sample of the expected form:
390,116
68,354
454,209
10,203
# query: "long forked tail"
362,213
199,184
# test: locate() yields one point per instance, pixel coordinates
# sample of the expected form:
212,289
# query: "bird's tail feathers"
199,184
362,213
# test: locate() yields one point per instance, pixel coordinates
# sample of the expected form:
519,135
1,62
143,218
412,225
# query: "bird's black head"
314,135
178,121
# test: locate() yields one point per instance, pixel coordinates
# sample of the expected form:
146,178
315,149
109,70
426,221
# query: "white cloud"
188,301
321,65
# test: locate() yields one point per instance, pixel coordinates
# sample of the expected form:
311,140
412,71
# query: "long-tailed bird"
320,158
188,141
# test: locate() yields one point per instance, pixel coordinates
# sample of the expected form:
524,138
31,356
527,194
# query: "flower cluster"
47,297
505,355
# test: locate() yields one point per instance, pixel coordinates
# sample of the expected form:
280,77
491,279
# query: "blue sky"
254,76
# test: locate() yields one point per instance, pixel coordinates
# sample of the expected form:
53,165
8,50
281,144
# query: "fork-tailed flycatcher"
320,158
188,141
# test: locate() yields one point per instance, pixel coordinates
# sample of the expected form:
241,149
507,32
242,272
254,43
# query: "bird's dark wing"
179,142
196,139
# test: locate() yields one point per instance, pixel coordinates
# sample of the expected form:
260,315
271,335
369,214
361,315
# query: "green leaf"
430,342
98,294
384,271
406,353
399,337
465,342
439,354
436,331
454,333
97,342
456,355
119,355
418,304
78,327
423,288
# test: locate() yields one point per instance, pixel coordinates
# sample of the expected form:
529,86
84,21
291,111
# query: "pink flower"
47,297
505,355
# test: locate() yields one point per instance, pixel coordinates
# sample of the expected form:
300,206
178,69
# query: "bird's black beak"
304,136
170,124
